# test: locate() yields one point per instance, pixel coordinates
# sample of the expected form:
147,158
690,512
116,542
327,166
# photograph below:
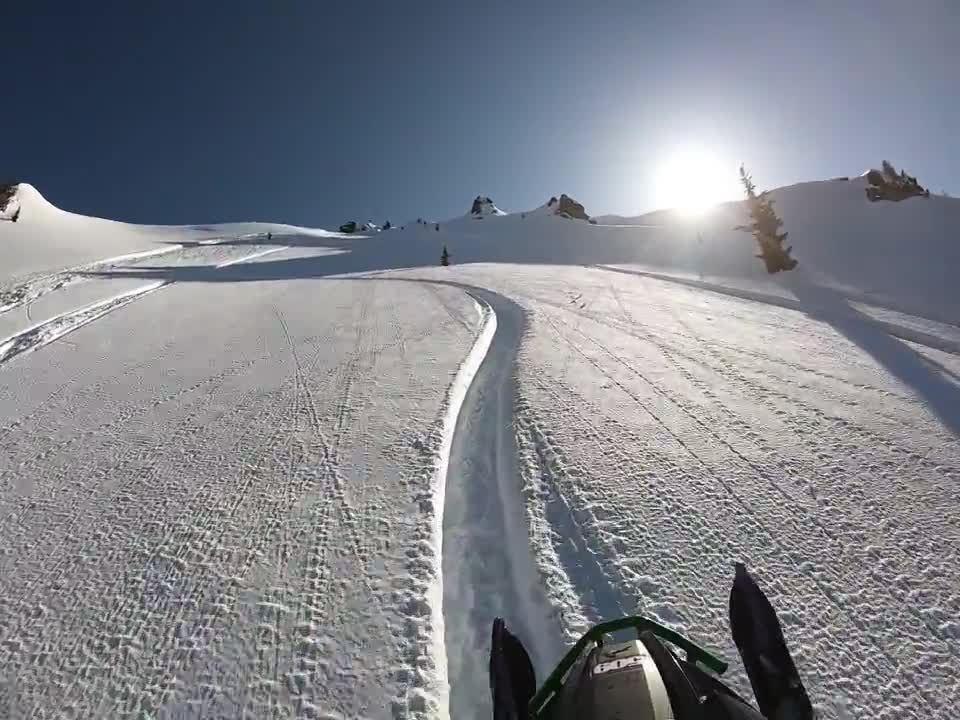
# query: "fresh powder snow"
257,470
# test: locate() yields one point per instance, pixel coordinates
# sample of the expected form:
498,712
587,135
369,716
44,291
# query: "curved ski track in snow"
252,256
486,564
43,333
36,336
32,290
488,569
455,400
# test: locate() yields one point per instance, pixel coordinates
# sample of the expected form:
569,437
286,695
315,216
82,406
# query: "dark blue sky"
315,112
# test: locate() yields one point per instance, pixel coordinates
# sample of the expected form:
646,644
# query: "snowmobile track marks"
762,393
85,392
824,589
188,427
730,373
176,558
128,414
766,358
595,586
454,315
207,499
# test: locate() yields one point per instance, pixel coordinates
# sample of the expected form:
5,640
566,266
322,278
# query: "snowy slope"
225,515
664,433
893,254
46,239
298,476
900,253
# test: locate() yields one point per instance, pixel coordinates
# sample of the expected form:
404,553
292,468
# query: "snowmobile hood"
627,684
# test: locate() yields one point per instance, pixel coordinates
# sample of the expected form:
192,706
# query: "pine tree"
444,257
765,226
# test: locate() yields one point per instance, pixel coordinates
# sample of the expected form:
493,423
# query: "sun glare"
693,180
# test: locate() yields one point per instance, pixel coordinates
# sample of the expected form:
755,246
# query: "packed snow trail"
230,517
488,570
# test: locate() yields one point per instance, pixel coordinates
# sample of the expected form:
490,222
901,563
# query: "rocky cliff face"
483,206
9,204
568,207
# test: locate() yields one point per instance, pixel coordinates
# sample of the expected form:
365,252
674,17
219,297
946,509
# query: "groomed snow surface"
297,476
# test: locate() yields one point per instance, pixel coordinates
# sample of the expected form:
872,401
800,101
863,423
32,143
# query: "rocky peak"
484,206
568,207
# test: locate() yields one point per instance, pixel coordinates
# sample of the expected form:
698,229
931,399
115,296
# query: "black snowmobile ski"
759,639
512,678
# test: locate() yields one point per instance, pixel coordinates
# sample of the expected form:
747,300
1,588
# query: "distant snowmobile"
645,679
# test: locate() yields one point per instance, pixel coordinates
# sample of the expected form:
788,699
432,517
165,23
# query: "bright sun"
692,180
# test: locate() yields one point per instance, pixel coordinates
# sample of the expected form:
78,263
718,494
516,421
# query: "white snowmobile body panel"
629,677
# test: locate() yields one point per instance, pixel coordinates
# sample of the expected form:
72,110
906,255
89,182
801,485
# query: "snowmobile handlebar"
554,682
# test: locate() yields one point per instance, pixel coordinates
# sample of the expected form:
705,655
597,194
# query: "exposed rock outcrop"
9,206
567,207
888,184
483,206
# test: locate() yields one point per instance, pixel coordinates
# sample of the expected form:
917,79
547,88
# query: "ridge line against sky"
313,113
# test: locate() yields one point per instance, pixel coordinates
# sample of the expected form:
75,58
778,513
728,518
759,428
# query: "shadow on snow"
564,246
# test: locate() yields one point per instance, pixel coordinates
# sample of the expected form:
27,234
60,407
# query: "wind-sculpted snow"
228,514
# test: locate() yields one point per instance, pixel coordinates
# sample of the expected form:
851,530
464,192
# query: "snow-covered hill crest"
45,238
899,254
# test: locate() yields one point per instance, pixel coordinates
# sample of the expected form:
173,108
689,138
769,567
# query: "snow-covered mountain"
257,470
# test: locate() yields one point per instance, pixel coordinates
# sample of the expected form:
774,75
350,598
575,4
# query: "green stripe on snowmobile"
554,682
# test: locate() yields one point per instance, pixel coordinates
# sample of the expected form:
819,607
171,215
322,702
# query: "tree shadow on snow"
908,366
926,377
